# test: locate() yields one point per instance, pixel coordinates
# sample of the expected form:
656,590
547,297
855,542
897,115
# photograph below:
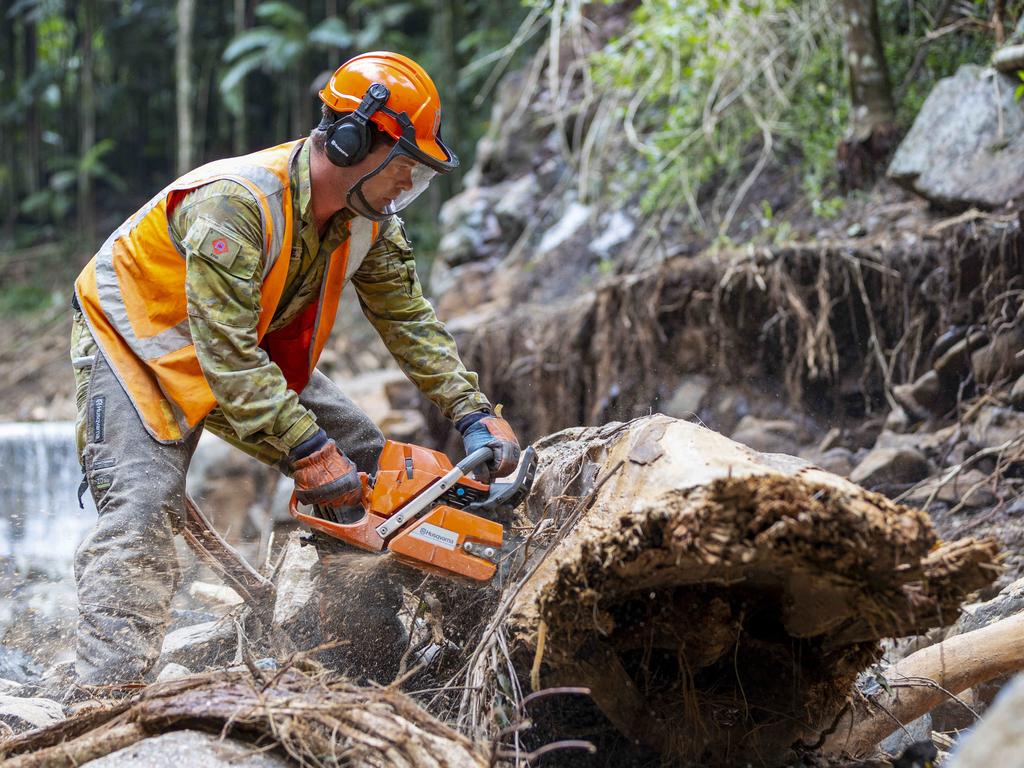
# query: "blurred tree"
872,134
184,85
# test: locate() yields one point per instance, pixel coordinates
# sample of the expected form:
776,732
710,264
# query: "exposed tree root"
833,322
316,722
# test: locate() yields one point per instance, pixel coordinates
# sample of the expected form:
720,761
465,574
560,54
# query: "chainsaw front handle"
477,458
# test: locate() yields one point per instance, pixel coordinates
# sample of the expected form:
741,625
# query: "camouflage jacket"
224,306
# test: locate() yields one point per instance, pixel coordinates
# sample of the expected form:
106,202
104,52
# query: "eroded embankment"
833,325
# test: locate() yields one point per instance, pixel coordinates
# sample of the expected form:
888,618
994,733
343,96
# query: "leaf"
258,38
331,33
1019,92
282,15
238,72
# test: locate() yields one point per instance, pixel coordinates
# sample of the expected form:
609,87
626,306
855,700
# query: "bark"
313,721
928,678
185,85
718,602
872,134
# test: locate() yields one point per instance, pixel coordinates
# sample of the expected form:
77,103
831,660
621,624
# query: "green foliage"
695,99
284,40
707,92
24,298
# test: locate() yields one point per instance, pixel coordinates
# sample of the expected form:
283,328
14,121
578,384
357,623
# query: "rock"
616,230
1000,360
190,748
173,671
1009,601
685,402
955,363
966,147
954,491
214,595
927,395
897,420
295,583
837,460
768,436
911,733
463,219
998,739
516,206
891,466
995,425
1017,394
9,687
406,426
26,714
17,665
568,226
201,645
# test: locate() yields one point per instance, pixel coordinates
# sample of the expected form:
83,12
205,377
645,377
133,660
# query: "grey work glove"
482,429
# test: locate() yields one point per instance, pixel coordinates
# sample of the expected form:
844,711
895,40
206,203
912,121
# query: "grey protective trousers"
126,568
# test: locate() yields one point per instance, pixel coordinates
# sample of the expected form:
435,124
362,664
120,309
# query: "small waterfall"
40,522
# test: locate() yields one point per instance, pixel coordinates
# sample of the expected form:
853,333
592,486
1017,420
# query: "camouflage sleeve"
220,234
392,299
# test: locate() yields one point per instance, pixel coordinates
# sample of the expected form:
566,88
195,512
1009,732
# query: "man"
209,308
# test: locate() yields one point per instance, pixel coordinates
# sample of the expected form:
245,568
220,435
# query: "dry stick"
949,667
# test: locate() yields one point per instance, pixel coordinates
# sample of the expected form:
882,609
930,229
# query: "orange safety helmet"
410,113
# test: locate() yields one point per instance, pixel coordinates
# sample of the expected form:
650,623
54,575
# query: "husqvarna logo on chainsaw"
432,534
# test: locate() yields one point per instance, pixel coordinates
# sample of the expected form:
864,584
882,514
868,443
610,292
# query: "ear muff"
348,138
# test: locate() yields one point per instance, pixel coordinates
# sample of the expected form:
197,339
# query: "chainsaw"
426,512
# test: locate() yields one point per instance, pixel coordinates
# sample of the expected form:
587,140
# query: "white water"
40,522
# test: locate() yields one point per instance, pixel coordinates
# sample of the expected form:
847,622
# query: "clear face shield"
391,186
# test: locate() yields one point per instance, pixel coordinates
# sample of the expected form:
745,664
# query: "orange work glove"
325,475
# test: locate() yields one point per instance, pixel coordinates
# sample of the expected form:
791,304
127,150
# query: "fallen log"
313,720
718,602
927,678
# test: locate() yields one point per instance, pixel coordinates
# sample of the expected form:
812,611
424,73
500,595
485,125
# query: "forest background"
104,101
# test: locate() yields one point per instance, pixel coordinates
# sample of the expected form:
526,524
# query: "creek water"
40,520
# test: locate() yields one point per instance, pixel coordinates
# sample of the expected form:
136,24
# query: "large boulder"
966,147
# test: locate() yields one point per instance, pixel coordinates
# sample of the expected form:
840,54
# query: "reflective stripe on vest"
132,292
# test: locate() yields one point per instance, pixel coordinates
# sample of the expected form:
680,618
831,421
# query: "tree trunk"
239,140
32,157
719,603
185,86
447,79
871,135
315,721
9,191
87,129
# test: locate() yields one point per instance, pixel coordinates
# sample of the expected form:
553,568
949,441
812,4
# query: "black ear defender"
348,137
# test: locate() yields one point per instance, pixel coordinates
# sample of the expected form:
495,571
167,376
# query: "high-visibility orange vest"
132,293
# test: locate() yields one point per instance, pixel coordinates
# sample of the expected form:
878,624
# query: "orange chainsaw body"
443,538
